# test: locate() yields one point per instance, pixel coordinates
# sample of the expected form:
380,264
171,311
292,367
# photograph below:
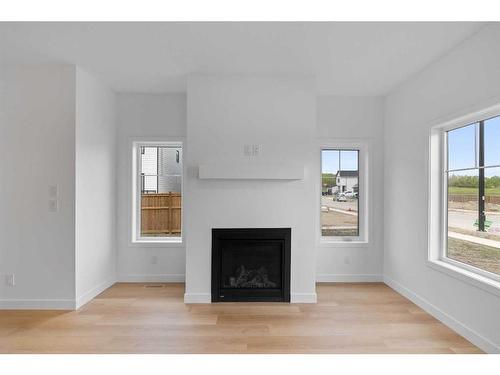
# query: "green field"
464,190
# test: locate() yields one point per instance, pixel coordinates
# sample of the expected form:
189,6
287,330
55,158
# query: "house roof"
347,173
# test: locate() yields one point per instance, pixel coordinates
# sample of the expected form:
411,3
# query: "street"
465,219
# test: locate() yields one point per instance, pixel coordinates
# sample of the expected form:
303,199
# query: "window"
158,192
472,187
343,199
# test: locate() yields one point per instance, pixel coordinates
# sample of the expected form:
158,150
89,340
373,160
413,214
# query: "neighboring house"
347,180
162,168
170,168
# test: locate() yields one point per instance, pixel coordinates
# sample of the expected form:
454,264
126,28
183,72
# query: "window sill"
170,242
325,242
479,281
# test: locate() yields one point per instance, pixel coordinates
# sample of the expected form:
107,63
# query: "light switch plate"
256,150
10,280
53,205
53,191
247,150
251,150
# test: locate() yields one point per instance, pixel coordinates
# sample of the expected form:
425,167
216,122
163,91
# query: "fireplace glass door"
251,264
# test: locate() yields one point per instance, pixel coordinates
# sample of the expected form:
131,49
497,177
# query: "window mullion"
481,218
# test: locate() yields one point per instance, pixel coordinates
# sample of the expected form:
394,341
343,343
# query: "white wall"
465,79
355,118
224,114
143,116
95,194
37,149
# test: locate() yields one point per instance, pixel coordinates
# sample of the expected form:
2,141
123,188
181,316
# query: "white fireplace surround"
223,184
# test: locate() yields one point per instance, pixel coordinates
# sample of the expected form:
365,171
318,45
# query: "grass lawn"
481,256
338,219
464,190
339,232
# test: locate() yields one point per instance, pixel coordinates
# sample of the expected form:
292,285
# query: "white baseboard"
197,298
92,293
348,278
152,278
471,335
37,304
303,298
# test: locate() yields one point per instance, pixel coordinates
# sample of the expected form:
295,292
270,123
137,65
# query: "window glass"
492,216
462,151
463,190
492,141
349,160
473,200
340,192
160,201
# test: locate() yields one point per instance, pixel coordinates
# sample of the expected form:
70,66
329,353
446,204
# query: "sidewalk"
478,240
330,209
473,211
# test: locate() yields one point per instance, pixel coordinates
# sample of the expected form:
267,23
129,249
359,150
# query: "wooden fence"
462,198
161,213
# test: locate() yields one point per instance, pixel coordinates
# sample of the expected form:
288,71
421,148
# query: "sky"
462,148
330,160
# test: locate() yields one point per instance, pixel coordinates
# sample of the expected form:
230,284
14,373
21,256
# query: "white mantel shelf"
251,171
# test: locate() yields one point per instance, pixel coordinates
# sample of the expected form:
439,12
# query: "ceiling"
346,58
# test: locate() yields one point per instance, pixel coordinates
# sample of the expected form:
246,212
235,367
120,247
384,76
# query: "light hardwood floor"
138,318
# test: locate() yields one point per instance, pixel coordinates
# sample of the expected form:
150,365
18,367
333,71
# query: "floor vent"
156,286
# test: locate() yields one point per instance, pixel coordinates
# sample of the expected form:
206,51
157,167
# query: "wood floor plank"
135,318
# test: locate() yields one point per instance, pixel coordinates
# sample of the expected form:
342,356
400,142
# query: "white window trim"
437,209
135,238
364,147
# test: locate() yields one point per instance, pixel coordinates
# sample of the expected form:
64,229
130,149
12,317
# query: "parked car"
341,197
350,194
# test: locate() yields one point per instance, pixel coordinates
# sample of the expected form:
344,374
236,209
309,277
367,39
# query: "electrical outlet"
347,260
10,280
154,259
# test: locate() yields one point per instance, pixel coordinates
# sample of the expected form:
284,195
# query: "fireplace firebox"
251,265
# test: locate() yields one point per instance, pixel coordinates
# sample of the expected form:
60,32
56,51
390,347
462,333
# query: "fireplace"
251,264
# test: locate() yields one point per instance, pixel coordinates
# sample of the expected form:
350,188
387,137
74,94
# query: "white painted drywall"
224,114
95,184
348,58
37,149
355,118
465,79
141,117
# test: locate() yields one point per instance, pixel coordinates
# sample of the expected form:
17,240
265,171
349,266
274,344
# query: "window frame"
364,191
135,229
443,255
438,202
